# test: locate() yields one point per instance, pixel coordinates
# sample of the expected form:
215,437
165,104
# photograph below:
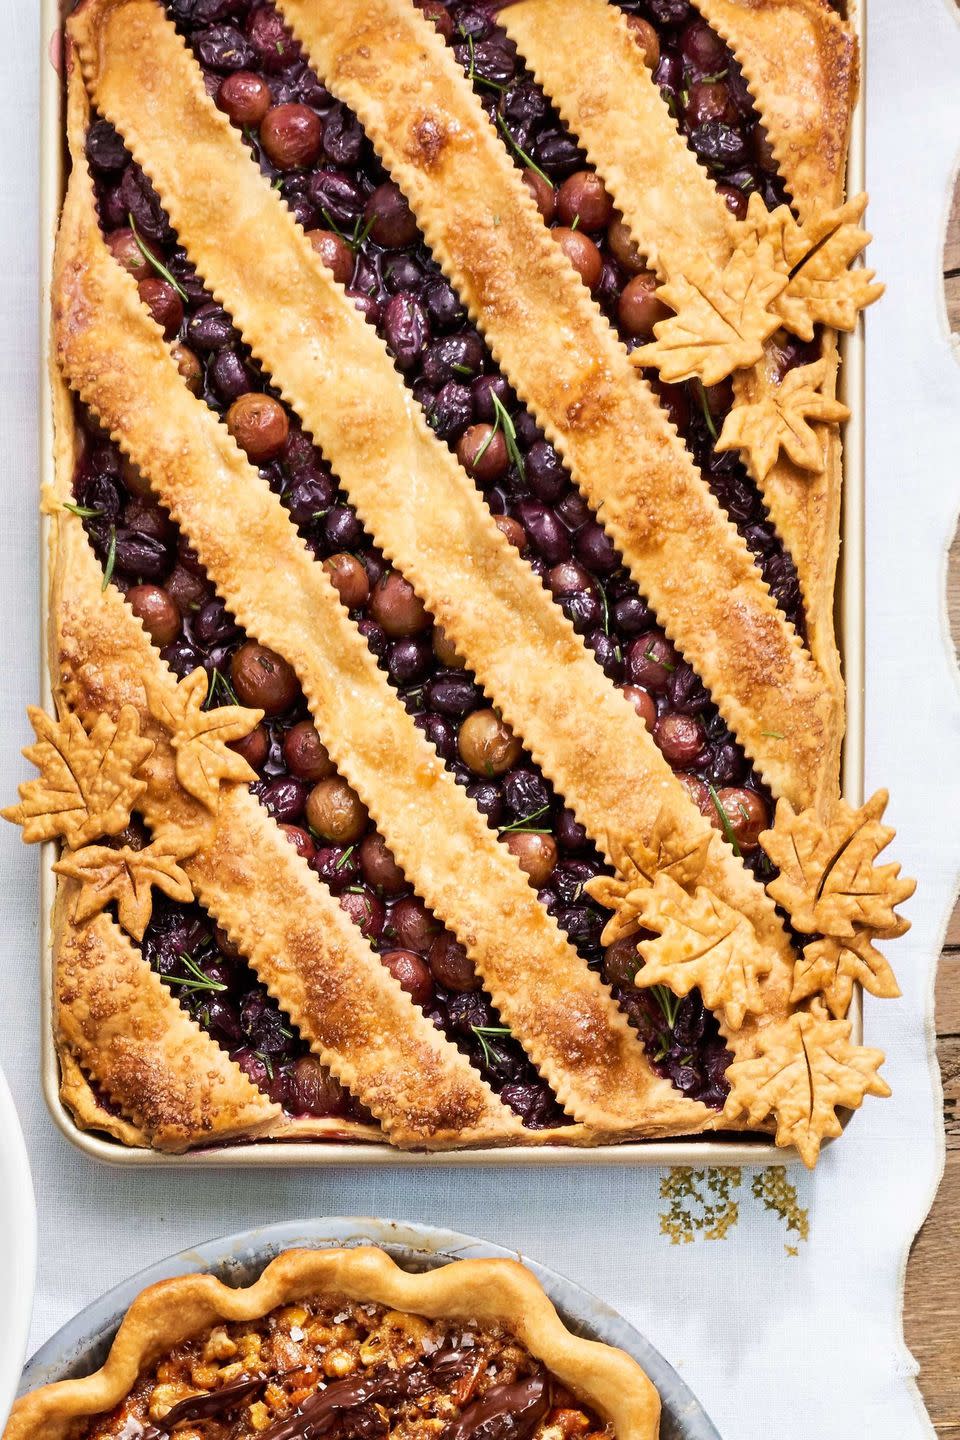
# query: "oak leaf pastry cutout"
701,942
828,882
807,1068
821,288
722,317
201,738
830,967
780,420
638,865
87,786
126,876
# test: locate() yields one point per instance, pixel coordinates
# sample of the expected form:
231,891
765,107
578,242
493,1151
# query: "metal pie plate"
82,1344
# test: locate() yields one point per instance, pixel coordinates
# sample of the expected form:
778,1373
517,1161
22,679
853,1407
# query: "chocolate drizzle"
206,1407
353,1407
506,1412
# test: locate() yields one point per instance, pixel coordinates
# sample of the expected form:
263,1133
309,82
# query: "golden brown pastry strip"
389,64
120,1022
306,951
802,65
588,61
439,529
590,65
114,356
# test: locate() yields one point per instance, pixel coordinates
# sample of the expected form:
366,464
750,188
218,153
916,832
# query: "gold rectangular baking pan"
720,1150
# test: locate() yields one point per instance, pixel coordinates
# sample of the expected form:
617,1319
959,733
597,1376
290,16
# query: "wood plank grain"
951,250
932,1305
931,1315
951,285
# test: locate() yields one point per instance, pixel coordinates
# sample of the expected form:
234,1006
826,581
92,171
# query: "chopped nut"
339,1362
204,1376
165,1396
219,1346
259,1415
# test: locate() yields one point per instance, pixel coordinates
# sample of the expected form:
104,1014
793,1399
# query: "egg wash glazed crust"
443,546
344,1341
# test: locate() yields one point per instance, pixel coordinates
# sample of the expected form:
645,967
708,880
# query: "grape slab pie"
345,1342
443,536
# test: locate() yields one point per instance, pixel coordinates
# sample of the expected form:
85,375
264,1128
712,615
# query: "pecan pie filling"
352,1369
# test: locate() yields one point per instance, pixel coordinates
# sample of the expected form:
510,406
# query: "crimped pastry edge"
489,1292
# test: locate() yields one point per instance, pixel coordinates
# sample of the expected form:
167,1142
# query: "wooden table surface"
932,1309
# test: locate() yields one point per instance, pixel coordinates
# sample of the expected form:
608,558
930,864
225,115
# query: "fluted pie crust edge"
487,1292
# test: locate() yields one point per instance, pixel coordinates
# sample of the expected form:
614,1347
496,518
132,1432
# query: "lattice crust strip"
114,356
388,63
438,530
304,948
554,680
802,65
120,1022
587,60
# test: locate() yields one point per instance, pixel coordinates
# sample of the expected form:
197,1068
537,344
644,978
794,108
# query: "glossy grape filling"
149,562
365,233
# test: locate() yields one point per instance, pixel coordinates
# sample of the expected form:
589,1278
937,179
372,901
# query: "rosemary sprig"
773,734
152,259
360,233
111,559
524,823
218,681
490,1055
194,979
521,152
504,420
84,511
705,407
728,831
668,1002
344,857
648,654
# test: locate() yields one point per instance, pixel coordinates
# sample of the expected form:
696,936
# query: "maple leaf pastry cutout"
831,967
816,257
722,317
87,786
201,738
702,942
106,873
638,864
828,882
805,1071
780,420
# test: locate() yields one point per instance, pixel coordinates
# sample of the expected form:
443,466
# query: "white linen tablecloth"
778,1298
